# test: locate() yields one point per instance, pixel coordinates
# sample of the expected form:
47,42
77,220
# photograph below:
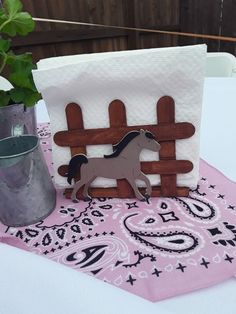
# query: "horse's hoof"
87,198
143,199
75,201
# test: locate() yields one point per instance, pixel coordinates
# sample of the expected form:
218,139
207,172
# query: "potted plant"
17,99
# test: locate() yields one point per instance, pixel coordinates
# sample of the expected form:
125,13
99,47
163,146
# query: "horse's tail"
74,166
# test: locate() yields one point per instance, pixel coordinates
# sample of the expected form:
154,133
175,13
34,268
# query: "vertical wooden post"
75,122
167,132
117,116
131,21
74,119
166,115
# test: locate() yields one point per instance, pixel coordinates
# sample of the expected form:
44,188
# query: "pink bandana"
155,249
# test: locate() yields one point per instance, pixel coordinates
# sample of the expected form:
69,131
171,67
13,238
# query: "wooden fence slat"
113,192
214,17
228,26
151,167
201,17
164,132
117,116
74,119
131,20
165,115
74,122
65,36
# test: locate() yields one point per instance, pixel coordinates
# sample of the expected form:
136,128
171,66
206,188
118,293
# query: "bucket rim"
8,107
24,152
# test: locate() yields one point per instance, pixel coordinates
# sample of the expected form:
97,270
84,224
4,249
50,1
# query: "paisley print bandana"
155,249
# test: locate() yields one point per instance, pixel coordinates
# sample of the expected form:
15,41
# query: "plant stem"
3,64
5,23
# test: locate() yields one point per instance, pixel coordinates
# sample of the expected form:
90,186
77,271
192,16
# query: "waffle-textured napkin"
138,78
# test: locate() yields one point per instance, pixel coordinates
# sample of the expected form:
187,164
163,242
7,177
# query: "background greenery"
13,21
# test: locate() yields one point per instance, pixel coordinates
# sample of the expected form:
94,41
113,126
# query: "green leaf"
25,96
13,21
4,45
4,98
17,95
12,6
21,80
32,98
20,24
15,60
21,72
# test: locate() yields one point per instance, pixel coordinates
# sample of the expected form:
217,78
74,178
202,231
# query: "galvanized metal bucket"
16,120
27,194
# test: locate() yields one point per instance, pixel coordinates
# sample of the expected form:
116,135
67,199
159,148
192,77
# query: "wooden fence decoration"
166,132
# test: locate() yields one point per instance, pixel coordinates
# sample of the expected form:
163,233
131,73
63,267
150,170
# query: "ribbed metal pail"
27,194
16,120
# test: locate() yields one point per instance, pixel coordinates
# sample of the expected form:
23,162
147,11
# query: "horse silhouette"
123,163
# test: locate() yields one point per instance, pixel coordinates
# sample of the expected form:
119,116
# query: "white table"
31,284
218,131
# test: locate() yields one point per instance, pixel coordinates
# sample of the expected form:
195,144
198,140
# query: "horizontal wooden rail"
113,135
114,192
75,35
63,36
151,167
167,131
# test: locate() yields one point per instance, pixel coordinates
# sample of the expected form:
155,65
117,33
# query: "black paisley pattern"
133,244
197,208
172,241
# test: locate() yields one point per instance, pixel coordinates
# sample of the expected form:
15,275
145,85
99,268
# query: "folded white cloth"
138,78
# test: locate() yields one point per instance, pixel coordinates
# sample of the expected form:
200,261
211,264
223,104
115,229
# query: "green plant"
13,21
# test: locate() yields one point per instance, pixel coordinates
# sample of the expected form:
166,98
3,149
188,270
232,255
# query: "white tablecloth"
31,284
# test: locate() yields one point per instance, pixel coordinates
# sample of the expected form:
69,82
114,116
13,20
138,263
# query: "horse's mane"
118,148
122,144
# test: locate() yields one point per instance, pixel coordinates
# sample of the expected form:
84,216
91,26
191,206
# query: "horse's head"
148,141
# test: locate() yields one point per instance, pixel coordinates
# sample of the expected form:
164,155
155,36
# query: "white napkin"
138,78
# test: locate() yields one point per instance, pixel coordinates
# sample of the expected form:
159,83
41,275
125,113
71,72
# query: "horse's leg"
144,178
131,181
86,196
76,188
85,179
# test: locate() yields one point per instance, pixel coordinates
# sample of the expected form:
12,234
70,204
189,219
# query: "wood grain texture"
163,132
153,167
228,26
167,131
113,192
207,17
66,36
212,17
131,7
166,115
74,120
64,39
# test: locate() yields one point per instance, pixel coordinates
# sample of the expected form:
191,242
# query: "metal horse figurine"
123,163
